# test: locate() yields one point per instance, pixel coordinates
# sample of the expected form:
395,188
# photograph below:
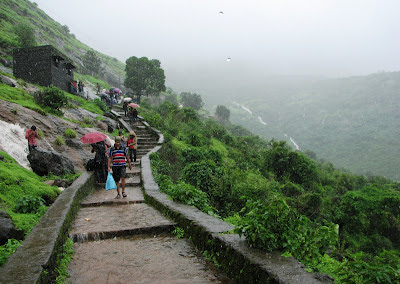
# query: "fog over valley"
321,75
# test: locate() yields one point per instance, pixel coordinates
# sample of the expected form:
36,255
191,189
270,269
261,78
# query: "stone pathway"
126,241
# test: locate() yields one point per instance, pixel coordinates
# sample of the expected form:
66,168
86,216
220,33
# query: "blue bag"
110,183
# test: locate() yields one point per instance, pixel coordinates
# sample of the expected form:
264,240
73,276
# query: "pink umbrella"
93,137
133,105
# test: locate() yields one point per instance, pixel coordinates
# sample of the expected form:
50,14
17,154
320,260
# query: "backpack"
90,165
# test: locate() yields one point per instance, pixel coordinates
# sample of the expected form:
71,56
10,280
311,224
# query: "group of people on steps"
116,159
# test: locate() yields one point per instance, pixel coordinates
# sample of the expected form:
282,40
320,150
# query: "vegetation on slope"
15,13
335,222
352,122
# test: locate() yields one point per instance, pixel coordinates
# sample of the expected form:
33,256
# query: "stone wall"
43,65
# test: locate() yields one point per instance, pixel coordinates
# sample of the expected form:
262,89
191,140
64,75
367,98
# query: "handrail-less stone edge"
238,260
35,260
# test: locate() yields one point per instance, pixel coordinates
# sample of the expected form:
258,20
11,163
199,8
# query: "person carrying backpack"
118,157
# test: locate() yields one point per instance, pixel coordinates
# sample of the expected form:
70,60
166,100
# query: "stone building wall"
43,65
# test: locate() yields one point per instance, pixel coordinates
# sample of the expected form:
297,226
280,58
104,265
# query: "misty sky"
192,39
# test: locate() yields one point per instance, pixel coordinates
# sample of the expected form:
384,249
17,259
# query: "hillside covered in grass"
16,13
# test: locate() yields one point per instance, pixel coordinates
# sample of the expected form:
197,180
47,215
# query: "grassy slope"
48,31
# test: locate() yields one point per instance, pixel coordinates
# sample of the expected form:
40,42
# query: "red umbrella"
133,105
93,137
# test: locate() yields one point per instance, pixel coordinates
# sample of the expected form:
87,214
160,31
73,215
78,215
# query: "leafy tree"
26,35
192,100
223,112
145,77
92,63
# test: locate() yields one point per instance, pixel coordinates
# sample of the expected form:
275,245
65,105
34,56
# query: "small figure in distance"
125,108
135,115
31,135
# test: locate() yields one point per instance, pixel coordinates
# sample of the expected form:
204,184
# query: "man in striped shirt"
118,156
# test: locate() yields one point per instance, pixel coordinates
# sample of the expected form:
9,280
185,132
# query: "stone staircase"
127,241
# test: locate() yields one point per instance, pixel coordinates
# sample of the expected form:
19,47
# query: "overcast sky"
194,38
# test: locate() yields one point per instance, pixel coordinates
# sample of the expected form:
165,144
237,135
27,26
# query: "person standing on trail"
132,145
118,157
100,161
123,139
130,116
135,115
125,108
31,135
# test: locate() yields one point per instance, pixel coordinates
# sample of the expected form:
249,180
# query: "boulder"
74,143
7,229
7,81
62,183
43,162
111,124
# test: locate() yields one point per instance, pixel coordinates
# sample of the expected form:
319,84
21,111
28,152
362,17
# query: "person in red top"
132,145
31,135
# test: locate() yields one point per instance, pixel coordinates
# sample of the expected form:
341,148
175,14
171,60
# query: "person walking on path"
125,108
100,161
132,145
31,135
123,139
118,157
135,115
130,116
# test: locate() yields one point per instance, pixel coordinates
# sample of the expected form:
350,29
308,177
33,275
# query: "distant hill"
353,122
48,31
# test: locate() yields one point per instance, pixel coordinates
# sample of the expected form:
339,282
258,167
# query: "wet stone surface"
102,196
151,259
117,218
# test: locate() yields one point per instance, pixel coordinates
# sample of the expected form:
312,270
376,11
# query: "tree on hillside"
145,77
91,63
223,112
191,100
26,35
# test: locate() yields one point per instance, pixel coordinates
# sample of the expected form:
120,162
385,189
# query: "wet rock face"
7,229
43,162
7,81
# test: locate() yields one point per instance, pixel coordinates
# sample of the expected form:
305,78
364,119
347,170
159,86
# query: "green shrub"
8,249
29,204
184,193
14,110
60,141
70,133
203,175
51,97
101,104
87,120
275,226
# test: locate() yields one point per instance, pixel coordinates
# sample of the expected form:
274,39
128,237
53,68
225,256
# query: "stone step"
114,221
107,197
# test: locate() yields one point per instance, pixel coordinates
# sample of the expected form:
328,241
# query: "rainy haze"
303,68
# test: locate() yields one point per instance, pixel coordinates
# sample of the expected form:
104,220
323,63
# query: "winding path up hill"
127,241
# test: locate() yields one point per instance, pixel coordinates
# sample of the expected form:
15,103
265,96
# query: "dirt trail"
126,241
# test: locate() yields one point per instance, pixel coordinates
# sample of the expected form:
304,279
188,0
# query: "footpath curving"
128,241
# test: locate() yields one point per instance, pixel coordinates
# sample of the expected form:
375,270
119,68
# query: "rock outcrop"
44,162
7,229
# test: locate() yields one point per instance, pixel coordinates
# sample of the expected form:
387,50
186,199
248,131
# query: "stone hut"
43,65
